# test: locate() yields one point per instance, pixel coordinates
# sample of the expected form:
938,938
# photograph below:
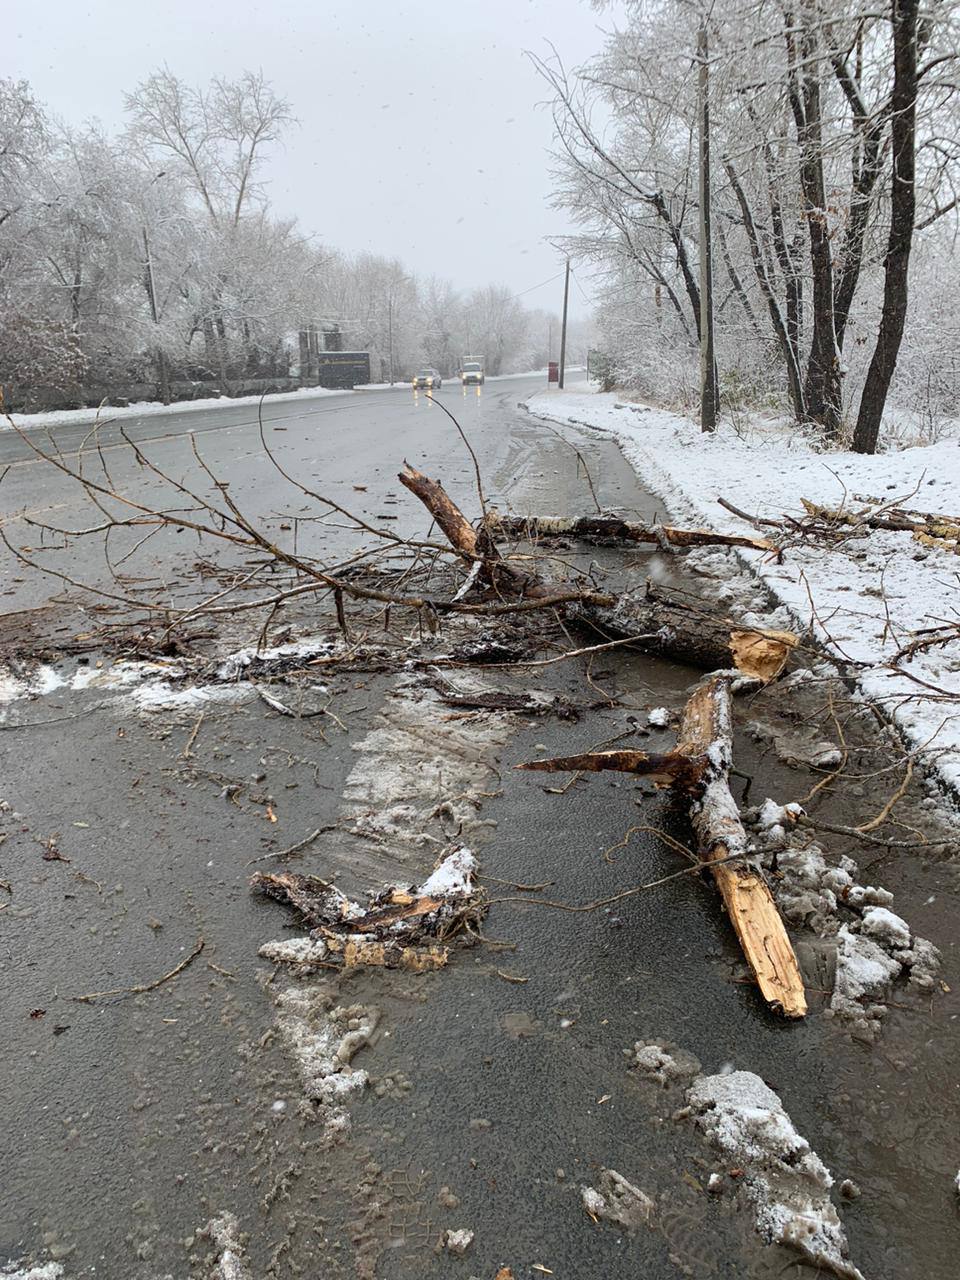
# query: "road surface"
500,1085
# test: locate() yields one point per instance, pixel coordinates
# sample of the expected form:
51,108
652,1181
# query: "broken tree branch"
700,765
471,546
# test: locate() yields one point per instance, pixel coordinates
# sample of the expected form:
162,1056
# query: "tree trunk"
780,326
902,217
614,529
822,389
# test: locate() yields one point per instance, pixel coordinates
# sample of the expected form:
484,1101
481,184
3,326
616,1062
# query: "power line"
576,281
537,286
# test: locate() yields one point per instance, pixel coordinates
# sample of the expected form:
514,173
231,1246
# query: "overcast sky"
420,133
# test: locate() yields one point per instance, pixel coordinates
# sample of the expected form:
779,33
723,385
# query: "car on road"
428,379
472,372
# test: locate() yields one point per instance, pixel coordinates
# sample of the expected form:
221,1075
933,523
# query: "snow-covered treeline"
832,127
153,256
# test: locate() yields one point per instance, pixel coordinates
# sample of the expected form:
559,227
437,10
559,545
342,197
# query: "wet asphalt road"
126,1125
349,448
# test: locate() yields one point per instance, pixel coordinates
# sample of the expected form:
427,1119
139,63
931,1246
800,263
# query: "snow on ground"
761,1154
223,1232
323,1040
864,599
64,417
38,1271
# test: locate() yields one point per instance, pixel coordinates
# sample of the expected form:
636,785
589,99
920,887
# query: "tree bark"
681,633
867,170
903,105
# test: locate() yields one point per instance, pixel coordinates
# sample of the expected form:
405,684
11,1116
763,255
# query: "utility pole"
563,327
709,389
390,333
152,292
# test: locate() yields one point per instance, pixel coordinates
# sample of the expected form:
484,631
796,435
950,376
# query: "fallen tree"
669,628
698,768
614,529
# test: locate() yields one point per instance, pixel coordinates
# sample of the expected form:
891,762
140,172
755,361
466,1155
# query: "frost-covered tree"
818,129
154,257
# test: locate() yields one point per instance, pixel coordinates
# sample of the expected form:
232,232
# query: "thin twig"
295,848
888,808
141,989
187,752
627,893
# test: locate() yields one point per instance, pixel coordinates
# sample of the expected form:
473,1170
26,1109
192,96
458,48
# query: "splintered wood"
706,734
700,765
761,654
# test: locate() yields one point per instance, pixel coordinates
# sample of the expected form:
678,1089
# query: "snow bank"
153,408
870,596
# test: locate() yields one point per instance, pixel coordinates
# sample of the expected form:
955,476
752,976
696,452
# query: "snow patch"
300,953
891,930
419,774
27,1271
223,1232
617,1200
162,696
659,717
785,1180
874,947
453,878
864,975
323,1041
665,1062
233,666
457,1242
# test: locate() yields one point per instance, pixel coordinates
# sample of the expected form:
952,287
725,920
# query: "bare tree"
903,112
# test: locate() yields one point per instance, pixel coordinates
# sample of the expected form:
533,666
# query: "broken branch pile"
400,929
700,764
664,628
826,524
